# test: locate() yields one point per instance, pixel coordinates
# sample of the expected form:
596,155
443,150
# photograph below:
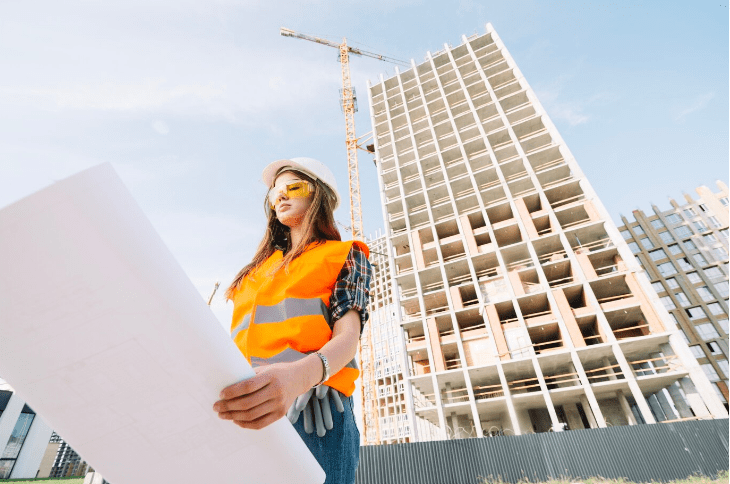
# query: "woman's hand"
259,401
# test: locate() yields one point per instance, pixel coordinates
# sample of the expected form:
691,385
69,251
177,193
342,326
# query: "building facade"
684,251
23,437
522,307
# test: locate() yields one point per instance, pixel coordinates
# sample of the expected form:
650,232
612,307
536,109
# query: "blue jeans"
338,452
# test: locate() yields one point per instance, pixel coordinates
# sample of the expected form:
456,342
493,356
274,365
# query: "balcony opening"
613,293
457,273
558,373
486,383
590,331
530,282
606,262
446,230
506,153
603,370
507,314
500,213
565,194
486,266
536,310
508,235
573,216
628,323
521,377
546,337
517,258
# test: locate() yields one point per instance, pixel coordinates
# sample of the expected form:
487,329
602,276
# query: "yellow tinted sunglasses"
293,189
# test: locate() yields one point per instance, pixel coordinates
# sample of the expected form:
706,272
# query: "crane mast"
348,107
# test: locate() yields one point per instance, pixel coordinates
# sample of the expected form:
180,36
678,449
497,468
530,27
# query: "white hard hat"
308,166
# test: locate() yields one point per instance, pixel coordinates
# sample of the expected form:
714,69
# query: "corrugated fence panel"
640,453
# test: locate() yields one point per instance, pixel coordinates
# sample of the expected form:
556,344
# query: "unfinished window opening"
446,230
514,170
521,377
603,370
572,216
509,235
431,280
457,273
529,281
559,273
467,295
535,142
438,196
558,373
451,358
514,102
589,329
543,225
606,262
507,314
486,383
550,250
435,302
613,293
588,239
499,214
536,310
628,323
452,248
486,180
554,176
486,266
645,364
546,337
565,194
521,187
517,258
506,153
403,264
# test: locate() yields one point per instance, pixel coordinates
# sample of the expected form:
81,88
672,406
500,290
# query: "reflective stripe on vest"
282,316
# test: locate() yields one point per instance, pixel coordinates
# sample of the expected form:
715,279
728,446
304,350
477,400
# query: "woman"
299,308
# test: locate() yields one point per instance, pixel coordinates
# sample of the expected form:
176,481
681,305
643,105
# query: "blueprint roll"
106,338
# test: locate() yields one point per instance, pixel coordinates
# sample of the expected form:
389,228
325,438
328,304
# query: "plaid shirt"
352,289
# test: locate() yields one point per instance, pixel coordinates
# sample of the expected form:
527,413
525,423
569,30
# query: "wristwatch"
325,368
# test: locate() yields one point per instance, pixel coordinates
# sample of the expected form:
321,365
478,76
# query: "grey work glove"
316,411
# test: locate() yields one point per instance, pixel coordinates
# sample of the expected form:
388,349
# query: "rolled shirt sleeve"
352,289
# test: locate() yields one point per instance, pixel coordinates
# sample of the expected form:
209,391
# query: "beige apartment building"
684,251
521,306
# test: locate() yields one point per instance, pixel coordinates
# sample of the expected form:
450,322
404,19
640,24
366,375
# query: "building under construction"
521,306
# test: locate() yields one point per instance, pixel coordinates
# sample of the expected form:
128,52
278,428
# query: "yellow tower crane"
349,107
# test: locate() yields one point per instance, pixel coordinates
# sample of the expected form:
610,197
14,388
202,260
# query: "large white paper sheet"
103,334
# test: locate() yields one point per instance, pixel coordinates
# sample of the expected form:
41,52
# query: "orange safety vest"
283,317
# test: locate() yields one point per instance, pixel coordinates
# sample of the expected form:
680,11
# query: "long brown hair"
319,225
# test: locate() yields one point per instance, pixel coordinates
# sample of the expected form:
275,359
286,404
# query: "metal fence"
639,453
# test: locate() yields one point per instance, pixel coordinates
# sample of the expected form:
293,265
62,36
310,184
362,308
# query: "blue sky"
190,100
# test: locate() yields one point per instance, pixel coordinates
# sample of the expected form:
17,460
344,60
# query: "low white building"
24,436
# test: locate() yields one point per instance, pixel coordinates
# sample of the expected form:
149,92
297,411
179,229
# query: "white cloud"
161,127
698,103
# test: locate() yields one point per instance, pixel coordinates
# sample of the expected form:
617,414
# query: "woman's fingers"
245,402
245,387
259,423
250,415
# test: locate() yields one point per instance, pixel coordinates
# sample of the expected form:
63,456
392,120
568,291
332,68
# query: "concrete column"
694,398
611,374
591,211
526,218
573,417
633,385
490,313
581,256
656,408
652,318
417,247
626,407
456,298
666,406
514,279
587,410
438,355
568,318
678,400
471,242
508,400
555,423
620,264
